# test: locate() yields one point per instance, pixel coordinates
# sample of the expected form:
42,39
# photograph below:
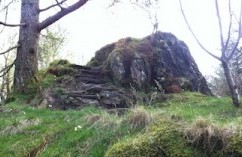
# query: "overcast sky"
96,25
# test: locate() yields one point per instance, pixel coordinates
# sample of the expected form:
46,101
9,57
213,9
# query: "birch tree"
227,51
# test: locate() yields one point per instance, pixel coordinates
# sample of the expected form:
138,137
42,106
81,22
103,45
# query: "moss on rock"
234,147
163,139
101,56
59,62
139,62
60,68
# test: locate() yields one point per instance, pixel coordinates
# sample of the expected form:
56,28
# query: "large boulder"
158,60
113,77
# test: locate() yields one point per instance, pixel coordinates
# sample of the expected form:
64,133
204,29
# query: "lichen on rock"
118,69
163,58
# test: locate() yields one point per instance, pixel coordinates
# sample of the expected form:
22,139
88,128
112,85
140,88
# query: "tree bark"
232,86
26,64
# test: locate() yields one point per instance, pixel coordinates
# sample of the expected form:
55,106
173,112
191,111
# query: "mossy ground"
26,130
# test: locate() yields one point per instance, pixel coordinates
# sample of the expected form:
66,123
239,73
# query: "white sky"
94,25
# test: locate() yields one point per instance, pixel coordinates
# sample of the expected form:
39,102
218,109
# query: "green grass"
190,106
68,133
93,131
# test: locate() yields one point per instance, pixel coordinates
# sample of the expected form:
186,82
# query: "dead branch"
10,49
52,19
54,5
12,25
6,6
59,5
194,36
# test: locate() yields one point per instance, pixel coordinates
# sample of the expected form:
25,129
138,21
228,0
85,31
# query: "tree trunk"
232,86
26,64
8,84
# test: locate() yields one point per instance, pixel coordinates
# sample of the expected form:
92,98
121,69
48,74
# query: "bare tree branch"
220,27
239,34
229,29
6,69
5,19
148,7
10,49
6,6
50,20
59,5
52,6
194,36
12,25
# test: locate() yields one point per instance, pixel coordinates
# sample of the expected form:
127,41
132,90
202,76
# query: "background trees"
150,7
218,82
51,41
229,42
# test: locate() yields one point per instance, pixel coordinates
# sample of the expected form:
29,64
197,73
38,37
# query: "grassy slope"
25,130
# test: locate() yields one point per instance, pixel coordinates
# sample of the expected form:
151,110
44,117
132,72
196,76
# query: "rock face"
119,69
77,86
161,60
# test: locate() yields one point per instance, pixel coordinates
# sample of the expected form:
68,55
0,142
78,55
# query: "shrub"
205,135
214,140
138,118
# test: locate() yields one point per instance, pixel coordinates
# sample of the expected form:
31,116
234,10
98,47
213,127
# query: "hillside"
158,63
136,97
184,125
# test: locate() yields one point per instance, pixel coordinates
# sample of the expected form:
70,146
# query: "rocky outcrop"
156,64
161,59
77,86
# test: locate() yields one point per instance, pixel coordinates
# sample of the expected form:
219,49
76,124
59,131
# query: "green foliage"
50,44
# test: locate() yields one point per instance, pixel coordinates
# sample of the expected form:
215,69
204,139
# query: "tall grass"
26,130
